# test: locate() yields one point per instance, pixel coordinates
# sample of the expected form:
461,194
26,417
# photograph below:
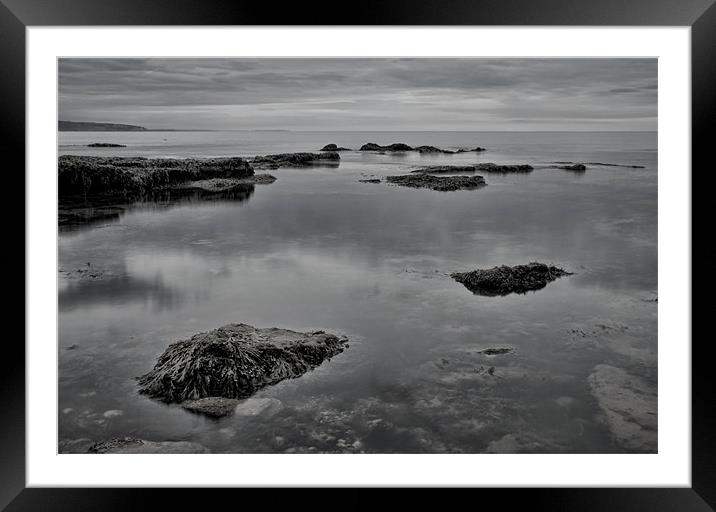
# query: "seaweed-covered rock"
105,145
444,169
334,147
234,361
432,149
504,169
500,281
132,445
295,160
398,146
440,183
120,175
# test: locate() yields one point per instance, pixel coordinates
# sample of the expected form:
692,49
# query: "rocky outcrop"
629,404
440,183
105,145
504,169
500,281
85,175
370,180
604,165
445,169
432,149
334,147
295,160
476,150
399,146
234,362
372,146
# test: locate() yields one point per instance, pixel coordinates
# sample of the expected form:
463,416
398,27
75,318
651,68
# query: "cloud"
369,94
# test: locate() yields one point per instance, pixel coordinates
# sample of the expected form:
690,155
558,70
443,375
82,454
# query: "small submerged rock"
476,150
370,180
233,362
258,406
105,145
500,281
218,407
215,406
602,164
496,351
573,167
439,183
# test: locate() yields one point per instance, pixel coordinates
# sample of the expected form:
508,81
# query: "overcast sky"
362,94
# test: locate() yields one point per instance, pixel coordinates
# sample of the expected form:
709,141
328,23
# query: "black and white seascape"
357,255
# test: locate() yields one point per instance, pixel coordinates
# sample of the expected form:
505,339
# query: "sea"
320,250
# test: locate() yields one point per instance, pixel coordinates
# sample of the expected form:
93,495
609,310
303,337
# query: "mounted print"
357,255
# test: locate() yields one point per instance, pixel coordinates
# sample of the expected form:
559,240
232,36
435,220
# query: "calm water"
317,249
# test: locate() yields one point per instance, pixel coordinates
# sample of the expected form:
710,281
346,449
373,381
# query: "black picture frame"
16,15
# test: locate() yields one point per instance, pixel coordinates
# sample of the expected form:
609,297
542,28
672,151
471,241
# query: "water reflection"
319,250
86,211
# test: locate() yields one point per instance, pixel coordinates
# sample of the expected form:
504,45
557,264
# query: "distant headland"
81,126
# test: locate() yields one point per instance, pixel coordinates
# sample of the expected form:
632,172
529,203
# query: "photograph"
357,255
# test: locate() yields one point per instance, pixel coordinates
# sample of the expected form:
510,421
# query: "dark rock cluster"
234,361
440,183
503,280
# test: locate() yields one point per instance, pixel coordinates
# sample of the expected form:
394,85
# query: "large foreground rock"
235,361
83,175
629,404
440,183
295,160
500,281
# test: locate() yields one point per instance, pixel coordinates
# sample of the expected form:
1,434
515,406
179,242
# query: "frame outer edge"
703,113
12,134
12,392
